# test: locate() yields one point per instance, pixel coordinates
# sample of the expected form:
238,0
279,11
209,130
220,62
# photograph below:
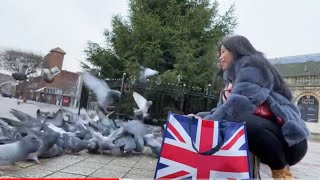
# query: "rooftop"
296,59
302,65
59,50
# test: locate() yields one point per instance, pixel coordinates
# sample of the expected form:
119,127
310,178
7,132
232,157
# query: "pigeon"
26,122
144,73
74,126
22,116
93,146
56,119
47,139
93,115
24,127
60,143
97,126
83,134
18,151
106,142
109,124
22,68
104,95
143,105
149,140
49,74
8,134
88,116
54,151
73,145
137,129
41,114
178,78
127,142
69,116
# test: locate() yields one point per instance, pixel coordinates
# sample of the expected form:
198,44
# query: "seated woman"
279,139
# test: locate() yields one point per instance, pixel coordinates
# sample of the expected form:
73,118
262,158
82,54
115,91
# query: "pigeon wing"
4,71
18,64
140,100
150,140
22,116
45,73
98,87
55,70
150,72
11,122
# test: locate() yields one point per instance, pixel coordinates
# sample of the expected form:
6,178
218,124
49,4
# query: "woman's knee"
296,152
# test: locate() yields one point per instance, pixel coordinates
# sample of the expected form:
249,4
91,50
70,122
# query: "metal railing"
182,99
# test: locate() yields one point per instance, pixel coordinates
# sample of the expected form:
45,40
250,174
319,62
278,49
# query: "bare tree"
22,65
14,60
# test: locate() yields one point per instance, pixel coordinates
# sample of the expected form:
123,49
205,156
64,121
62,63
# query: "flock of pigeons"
53,134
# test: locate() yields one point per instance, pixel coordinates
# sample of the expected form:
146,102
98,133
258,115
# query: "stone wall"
307,87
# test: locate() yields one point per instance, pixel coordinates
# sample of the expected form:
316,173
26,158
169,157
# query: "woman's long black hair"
240,46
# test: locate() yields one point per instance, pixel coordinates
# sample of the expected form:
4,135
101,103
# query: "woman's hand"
193,115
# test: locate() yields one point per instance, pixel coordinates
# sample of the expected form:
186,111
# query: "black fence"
182,99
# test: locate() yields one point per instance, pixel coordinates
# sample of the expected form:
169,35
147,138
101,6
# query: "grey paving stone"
102,173
125,161
83,153
89,164
67,159
111,171
2,177
114,168
264,175
51,166
149,163
64,175
78,170
141,173
30,172
148,152
11,169
104,159
265,170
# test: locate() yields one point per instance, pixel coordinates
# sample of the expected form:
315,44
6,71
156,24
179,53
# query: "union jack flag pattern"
180,160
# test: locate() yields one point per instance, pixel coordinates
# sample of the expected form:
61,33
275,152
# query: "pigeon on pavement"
18,151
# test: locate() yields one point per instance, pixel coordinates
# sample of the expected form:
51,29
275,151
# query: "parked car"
7,94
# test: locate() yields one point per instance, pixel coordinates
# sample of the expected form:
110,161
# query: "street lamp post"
208,95
121,90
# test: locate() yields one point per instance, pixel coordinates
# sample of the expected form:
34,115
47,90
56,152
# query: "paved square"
132,166
135,166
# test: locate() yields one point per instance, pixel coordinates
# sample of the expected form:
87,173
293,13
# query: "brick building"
63,90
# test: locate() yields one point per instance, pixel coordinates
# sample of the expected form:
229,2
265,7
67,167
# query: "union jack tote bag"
203,149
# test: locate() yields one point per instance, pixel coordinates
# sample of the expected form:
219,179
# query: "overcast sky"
276,27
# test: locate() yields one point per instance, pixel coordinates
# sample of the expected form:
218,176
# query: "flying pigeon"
22,71
104,95
143,105
144,73
49,74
